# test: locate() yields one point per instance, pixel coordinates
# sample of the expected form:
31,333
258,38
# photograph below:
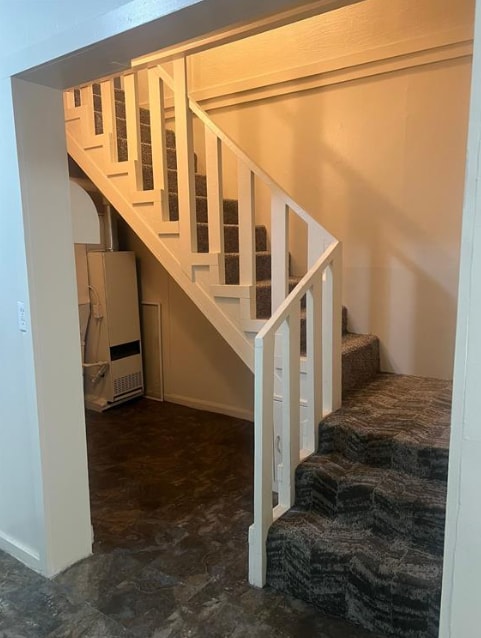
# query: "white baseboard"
21,552
210,406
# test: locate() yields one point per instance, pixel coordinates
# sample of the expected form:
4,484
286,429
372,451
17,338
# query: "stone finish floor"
171,493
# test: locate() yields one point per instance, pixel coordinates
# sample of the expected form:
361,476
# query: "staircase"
364,537
360,352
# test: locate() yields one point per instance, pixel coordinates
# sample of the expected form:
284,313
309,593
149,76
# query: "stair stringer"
115,182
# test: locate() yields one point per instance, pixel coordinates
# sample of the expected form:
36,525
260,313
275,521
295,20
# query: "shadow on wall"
384,173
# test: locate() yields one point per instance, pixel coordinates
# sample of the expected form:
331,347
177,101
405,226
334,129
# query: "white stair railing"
321,286
280,337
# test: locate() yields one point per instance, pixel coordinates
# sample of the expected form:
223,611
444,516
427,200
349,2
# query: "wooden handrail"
296,294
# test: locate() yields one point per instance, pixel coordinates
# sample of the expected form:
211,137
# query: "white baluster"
107,94
215,204
87,100
316,243
132,118
185,159
158,139
247,230
69,99
332,336
279,250
336,269
263,438
290,438
314,384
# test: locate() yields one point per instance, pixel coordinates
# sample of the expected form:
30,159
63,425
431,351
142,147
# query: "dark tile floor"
171,492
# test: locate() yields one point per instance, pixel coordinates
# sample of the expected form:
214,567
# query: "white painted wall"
377,158
199,368
55,328
44,509
20,494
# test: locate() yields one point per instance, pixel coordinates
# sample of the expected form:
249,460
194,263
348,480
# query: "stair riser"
263,268
98,123
200,183
230,209
352,501
231,239
378,450
263,301
120,111
303,330
423,526
392,608
389,597
360,366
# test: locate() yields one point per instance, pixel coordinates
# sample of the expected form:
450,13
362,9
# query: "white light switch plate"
21,316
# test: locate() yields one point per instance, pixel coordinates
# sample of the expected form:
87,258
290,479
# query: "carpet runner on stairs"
365,538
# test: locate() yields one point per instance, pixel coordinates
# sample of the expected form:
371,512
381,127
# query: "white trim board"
210,406
374,62
158,306
23,553
378,61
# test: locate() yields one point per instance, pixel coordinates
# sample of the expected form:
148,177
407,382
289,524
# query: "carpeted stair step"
231,215
360,356
391,503
263,267
231,238
396,422
350,571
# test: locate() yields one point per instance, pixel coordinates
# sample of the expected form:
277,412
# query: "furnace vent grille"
127,383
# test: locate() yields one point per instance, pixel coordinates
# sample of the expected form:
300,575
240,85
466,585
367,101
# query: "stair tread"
390,481
355,538
265,283
414,408
264,253
230,226
352,341
396,422
394,559
393,503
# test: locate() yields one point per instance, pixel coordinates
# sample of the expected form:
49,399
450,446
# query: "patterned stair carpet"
365,539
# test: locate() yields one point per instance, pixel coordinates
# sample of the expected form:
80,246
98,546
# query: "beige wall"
199,367
367,31
378,157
